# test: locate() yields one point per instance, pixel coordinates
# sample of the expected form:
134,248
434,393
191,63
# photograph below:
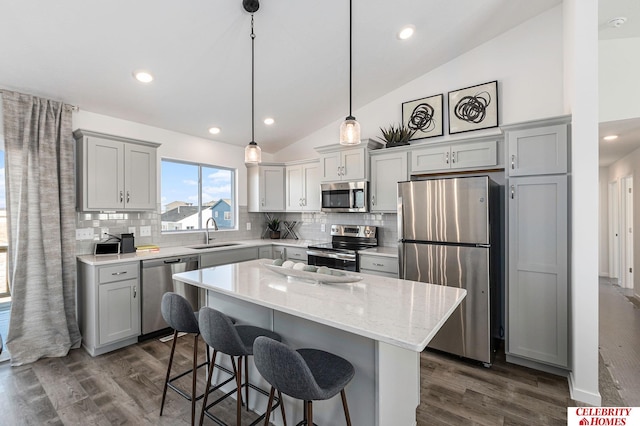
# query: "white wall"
630,166
603,221
174,145
527,62
619,67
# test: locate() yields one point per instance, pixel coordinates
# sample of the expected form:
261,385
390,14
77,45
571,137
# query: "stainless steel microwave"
345,197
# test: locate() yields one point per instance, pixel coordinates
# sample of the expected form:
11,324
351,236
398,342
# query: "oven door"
333,260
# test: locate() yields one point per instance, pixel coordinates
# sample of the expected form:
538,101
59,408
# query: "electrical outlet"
84,234
323,227
132,230
248,226
145,231
104,233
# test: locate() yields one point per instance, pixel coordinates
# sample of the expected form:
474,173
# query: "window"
192,193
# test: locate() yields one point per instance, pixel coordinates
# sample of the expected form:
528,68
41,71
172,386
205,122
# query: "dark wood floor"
125,387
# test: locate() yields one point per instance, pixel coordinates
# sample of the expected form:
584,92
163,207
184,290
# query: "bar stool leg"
166,380
269,404
310,405
239,392
194,379
246,379
284,417
212,363
343,394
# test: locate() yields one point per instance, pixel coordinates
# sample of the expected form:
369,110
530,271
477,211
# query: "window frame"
233,191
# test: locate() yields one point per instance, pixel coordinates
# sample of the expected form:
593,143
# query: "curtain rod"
72,108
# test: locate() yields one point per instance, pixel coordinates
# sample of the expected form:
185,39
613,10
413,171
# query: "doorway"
614,233
626,207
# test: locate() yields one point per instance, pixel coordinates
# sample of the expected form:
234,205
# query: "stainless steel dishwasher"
156,281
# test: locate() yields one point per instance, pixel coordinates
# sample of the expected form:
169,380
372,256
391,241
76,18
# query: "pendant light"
350,128
252,153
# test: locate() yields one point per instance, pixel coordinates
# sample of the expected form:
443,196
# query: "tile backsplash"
308,226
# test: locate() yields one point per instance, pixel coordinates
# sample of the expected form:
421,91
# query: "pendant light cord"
350,54
253,38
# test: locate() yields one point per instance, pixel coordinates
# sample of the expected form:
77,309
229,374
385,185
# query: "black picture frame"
473,108
425,116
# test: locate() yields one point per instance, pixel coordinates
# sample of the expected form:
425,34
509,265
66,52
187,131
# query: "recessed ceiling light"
610,137
617,22
143,76
214,130
406,32
269,121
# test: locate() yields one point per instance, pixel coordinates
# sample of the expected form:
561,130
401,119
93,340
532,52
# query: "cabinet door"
272,189
538,288
311,179
432,158
478,154
295,188
119,311
352,162
330,170
140,177
104,189
224,257
386,171
537,151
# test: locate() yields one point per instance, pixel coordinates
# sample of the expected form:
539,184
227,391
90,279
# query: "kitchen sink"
208,246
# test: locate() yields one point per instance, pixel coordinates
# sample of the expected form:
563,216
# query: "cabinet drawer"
108,274
379,263
298,254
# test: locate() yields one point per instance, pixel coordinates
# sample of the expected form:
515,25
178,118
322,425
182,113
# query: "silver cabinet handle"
338,170
119,273
446,157
121,196
304,201
128,197
377,264
513,192
373,199
453,157
513,162
135,291
343,171
262,202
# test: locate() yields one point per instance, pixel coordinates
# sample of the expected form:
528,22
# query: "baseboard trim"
583,396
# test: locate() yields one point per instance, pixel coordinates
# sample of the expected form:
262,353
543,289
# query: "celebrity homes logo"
603,416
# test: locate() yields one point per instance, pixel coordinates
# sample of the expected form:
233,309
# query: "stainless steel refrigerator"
447,231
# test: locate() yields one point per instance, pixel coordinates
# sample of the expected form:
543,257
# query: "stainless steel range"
342,251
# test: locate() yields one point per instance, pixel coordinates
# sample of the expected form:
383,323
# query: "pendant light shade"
350,128
252,153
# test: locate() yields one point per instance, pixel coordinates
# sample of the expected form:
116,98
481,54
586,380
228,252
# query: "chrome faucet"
206,232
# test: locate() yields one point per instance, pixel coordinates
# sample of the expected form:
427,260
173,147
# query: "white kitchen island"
379,324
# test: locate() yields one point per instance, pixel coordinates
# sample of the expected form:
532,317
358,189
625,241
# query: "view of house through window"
192,193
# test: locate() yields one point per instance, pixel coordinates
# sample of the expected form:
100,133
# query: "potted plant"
396,135
274,228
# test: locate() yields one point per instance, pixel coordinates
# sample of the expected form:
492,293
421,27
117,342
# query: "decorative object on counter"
127,243
274,228
252,153
147,248
322,274
473,108
289,229
350,128
424,117
396,136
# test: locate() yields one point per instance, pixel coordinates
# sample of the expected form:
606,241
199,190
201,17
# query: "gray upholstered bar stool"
235,340
179,315
305,374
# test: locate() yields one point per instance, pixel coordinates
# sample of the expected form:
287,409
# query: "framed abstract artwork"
424,116
473,108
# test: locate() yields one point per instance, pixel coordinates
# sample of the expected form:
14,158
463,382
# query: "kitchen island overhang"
379,324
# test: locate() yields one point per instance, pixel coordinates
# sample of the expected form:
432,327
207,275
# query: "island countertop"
399,312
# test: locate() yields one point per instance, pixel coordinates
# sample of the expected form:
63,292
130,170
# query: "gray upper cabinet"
537,151
266,188
303,187
467,155
339,163
114,173
387,169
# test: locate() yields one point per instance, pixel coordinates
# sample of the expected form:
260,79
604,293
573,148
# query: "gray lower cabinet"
295,254
108,306
225,257
538,269
379,265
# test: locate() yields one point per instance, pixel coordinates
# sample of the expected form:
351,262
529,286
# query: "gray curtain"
39,173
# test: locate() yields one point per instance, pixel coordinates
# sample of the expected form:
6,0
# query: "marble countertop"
186,250
398,312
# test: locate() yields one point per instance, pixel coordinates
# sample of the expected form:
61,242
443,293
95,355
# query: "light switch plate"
323,228
145,231
248,226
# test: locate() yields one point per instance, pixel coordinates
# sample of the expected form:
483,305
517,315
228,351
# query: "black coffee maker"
127,243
